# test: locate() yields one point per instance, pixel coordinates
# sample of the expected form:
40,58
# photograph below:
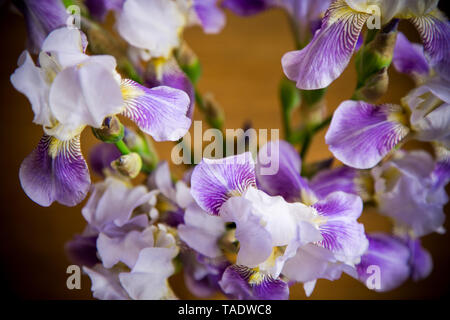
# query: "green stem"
309,135
122,147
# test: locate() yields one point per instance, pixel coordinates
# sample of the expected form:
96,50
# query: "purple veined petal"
160,111
247,8
409,58
361,134
240,282
331,180
30,81
99,8
113,202
212,19
55,171
105,283
435,35
342,234
148,278
172,76
41,17
278,171
123,249
386,258
255,242
82,250
214,181
202,231
327,55
420,259
101,156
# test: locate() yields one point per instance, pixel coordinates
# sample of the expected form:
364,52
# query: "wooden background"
242,69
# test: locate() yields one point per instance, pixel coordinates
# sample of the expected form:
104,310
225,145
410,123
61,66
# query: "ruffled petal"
123,249
215,181
361,134
240,282
341,232
75,102
327,55
160,111
105,283
30,80
435,35
338,179
99,8
148,278
409,58
55,171
113,202
278,171
151,25
385,265
202,231
255,242
212,19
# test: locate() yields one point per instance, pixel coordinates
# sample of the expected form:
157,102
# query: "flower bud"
372,62
189,63
128,165
111,130
213,112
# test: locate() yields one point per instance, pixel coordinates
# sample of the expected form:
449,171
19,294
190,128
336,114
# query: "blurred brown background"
242,69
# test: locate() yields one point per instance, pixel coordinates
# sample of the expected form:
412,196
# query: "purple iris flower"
408,191
327,55
361,134
65,101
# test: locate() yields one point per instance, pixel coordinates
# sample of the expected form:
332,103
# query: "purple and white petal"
214,181
385,266
361,134
278,171
405,191
435,35
160,112
255,242
113,202
247,8
327,55
31,81
337,179
101,156
55,171
240,282
123,249
211,18
148,278
202,231
441,172
341,232
172,76
41,17
105,283
409,58
151,25
161,179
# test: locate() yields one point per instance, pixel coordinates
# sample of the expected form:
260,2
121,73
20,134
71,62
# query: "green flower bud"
128,165
111,130
189,63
